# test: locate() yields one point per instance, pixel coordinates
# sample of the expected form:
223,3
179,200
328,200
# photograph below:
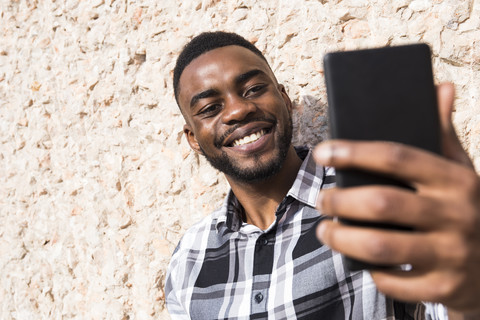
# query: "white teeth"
249,139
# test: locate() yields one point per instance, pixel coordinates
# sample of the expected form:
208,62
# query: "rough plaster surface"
97,184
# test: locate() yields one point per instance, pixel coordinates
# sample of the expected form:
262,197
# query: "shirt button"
265,241
259,297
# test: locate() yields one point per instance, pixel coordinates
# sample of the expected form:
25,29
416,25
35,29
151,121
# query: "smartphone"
385,94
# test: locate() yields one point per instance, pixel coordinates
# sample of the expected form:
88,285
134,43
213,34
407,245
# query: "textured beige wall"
96,182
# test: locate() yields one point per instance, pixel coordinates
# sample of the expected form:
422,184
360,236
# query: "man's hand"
444,248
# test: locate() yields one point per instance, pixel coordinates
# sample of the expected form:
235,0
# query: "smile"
247,136
250,138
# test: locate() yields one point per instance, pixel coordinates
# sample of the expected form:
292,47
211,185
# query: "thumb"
451,146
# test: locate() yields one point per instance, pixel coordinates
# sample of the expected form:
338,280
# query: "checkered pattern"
224,268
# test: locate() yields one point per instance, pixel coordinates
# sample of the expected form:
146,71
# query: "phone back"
382,94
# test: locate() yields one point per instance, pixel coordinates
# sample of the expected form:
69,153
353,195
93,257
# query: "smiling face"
236,113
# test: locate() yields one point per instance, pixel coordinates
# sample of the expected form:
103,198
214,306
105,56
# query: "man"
258,256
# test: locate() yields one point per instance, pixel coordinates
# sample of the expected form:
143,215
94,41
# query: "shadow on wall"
310,121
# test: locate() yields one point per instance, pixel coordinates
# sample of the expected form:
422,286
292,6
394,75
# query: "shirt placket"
263,263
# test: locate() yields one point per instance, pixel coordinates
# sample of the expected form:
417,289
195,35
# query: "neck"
260,199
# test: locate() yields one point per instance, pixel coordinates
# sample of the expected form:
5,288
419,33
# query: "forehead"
216,68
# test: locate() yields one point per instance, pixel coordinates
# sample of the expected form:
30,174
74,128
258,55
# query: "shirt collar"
308,182
305,189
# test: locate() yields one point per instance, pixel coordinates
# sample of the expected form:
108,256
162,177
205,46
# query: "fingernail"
321,231
318,203
323,153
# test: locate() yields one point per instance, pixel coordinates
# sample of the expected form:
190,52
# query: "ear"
286,98
192,141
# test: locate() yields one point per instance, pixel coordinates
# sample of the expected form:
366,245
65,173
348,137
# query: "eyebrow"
202,95
244,77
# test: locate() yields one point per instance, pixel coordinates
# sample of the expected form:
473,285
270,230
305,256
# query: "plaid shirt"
226,268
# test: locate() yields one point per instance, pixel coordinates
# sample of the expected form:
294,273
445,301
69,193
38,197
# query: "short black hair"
205,42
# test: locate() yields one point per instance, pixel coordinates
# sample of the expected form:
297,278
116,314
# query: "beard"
262,171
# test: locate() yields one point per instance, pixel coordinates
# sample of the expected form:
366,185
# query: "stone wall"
97,184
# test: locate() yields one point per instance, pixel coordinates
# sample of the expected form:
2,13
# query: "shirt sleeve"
175,307
435,311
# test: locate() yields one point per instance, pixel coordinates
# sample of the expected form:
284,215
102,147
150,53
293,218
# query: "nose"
237,109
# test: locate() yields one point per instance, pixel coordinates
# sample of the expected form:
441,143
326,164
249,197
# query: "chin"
254,173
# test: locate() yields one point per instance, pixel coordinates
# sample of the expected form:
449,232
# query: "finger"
439,286
378,246
386,205
451,146
415,285
445,99
393,159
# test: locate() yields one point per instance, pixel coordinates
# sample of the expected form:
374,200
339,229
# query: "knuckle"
469,212
443,285
462,255
380,204
397,155
470,222
379,249
441,291
447,288
471,184
466,219
456,252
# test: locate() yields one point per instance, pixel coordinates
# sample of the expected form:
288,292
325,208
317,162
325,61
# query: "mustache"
219,141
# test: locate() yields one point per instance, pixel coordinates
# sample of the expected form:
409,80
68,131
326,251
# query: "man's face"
236,114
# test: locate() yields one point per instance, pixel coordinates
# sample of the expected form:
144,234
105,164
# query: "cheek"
282,106
282,110
206,133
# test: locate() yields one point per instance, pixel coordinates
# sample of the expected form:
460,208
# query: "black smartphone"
385,94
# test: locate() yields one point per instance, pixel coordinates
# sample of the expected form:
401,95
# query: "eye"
255,89
210,110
